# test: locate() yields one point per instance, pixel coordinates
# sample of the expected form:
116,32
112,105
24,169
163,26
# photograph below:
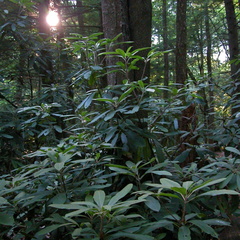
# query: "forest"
119,119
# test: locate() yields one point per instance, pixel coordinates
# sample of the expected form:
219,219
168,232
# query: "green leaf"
13,27
109,116
7,136
219,192
232,149
126,94
51,228
226,181
77,212
159,151
187,184
60,198
134,110
183,156
66,206
135,236
6,219
58,128
59,166
42,172
96,68
160,173
167,183
238,182
141,83
217,222
3,201
153,204
184,233
99,197
105,100
182,191
206,184
204,227
169,195
120,52
120,194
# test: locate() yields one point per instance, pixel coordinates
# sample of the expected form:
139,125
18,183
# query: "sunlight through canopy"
52,18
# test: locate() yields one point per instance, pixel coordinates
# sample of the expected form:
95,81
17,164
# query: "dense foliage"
82,160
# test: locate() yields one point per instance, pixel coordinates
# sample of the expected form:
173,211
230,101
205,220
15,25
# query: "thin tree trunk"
165,47
210,120
233,49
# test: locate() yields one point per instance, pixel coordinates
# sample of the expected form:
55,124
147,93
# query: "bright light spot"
221,55
52,19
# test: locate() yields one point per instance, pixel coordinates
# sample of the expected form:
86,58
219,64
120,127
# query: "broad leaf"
184,233
219,192
232,149
167,183
204,227
51,228
206,184
153,203
6,219
99,197
120,194
126,235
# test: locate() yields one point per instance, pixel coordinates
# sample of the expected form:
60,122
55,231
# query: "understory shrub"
112,167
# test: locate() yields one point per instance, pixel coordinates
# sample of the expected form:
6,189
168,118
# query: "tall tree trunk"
181,43
165,47
188,120
210,118
140,21
115,21
233,49
129,18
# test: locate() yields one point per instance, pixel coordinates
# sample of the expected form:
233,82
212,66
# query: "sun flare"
52,19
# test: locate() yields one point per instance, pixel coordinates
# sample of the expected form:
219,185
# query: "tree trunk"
210,118
181,43
129,18
140,21
188,120
165,47
115,21
233,49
